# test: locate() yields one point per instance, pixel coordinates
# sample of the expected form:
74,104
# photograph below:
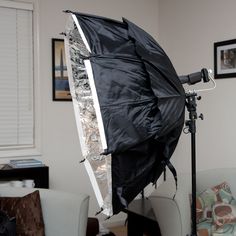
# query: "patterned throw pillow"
226,230
204,229
224,218
206,199
28,213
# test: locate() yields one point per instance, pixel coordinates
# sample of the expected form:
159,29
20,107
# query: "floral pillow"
209,197
226,230
204,229
224,218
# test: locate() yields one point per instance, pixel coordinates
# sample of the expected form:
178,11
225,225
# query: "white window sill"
31,152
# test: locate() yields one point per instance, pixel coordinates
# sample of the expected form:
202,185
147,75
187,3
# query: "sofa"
63,213
174,215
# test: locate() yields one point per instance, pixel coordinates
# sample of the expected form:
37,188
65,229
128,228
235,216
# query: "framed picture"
60,84
225,59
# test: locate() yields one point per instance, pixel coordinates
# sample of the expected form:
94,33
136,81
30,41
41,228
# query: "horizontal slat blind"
16,78
16,5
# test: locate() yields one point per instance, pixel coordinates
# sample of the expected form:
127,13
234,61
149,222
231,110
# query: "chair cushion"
28,213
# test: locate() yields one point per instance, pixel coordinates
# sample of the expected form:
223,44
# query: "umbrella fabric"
136,100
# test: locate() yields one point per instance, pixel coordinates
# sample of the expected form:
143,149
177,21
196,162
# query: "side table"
141,219
40,175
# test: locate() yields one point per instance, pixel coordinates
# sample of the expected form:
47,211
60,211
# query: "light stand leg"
194,218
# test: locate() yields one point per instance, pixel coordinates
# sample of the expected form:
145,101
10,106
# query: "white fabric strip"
94,182
81,32
93,87
88,67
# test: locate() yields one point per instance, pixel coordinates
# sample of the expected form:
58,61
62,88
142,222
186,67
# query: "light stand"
191,124
191,105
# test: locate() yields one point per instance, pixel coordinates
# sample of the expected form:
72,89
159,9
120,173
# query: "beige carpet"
119,230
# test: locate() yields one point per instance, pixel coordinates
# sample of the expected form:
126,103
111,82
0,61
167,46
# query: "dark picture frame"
60,83
225,59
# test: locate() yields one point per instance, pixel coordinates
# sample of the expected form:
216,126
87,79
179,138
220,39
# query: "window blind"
16,76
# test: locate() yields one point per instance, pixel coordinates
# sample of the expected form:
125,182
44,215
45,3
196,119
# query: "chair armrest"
63,213
173,215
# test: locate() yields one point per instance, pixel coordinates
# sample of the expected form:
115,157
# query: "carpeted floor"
119,230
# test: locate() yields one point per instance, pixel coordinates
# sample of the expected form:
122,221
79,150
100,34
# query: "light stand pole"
191,124
191,104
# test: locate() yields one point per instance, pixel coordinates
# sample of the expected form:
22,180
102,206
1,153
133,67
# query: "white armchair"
63,213
174,215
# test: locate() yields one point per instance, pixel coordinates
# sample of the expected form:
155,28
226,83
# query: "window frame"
35,149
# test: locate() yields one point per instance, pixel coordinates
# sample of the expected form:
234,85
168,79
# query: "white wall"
60,143
187,31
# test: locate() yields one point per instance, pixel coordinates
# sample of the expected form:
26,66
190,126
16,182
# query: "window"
17,105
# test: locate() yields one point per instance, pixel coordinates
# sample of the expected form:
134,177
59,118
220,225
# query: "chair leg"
92,227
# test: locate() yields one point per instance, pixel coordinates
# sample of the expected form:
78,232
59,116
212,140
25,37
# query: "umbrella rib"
130,103
113,56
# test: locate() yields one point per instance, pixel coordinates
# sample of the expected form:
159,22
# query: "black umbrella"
129,105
